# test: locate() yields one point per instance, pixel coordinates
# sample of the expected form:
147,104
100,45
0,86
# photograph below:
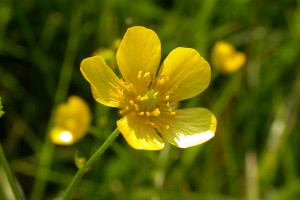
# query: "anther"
161,81
155,112
167,127
144,98
154,125
147,113
140,74
172,113
167,97
146,74
141,113
131,102
136,107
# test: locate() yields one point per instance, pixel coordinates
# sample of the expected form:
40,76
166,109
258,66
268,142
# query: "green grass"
255,152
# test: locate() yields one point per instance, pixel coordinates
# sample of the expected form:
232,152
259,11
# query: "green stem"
9,175
89,163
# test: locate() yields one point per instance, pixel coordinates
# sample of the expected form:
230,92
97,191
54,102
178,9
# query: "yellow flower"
71,121
108,54
225,57
146,98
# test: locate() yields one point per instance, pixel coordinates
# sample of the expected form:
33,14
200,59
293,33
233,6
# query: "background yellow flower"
225,57
71,121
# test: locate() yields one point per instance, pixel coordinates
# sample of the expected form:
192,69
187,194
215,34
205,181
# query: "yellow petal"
189,74
139,50
189,127
105,84
138,134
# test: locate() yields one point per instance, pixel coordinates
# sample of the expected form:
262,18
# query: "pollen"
155,112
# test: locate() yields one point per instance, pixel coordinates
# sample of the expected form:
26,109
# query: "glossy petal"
106,86
139,50
189,74
138,134
189,127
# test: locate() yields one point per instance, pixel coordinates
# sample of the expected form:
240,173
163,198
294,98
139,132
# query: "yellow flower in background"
108,54
71,121
146,98
225,57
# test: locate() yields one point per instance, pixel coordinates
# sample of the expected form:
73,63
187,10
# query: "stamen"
172,113
146,74
167,127
140,74
147,113
156,112
141,113
131,102
136,107
146,97
161,81
167,97
154,125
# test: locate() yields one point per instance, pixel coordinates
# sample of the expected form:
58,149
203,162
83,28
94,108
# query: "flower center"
148,101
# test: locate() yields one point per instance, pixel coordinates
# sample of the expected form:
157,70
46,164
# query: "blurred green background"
255,153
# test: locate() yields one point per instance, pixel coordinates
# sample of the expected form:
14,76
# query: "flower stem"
89,163
9,175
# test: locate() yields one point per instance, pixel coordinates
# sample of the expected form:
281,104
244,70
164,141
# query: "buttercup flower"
225,57
71,121
146,98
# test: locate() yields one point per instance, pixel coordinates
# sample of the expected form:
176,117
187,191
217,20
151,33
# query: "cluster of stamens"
149,102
